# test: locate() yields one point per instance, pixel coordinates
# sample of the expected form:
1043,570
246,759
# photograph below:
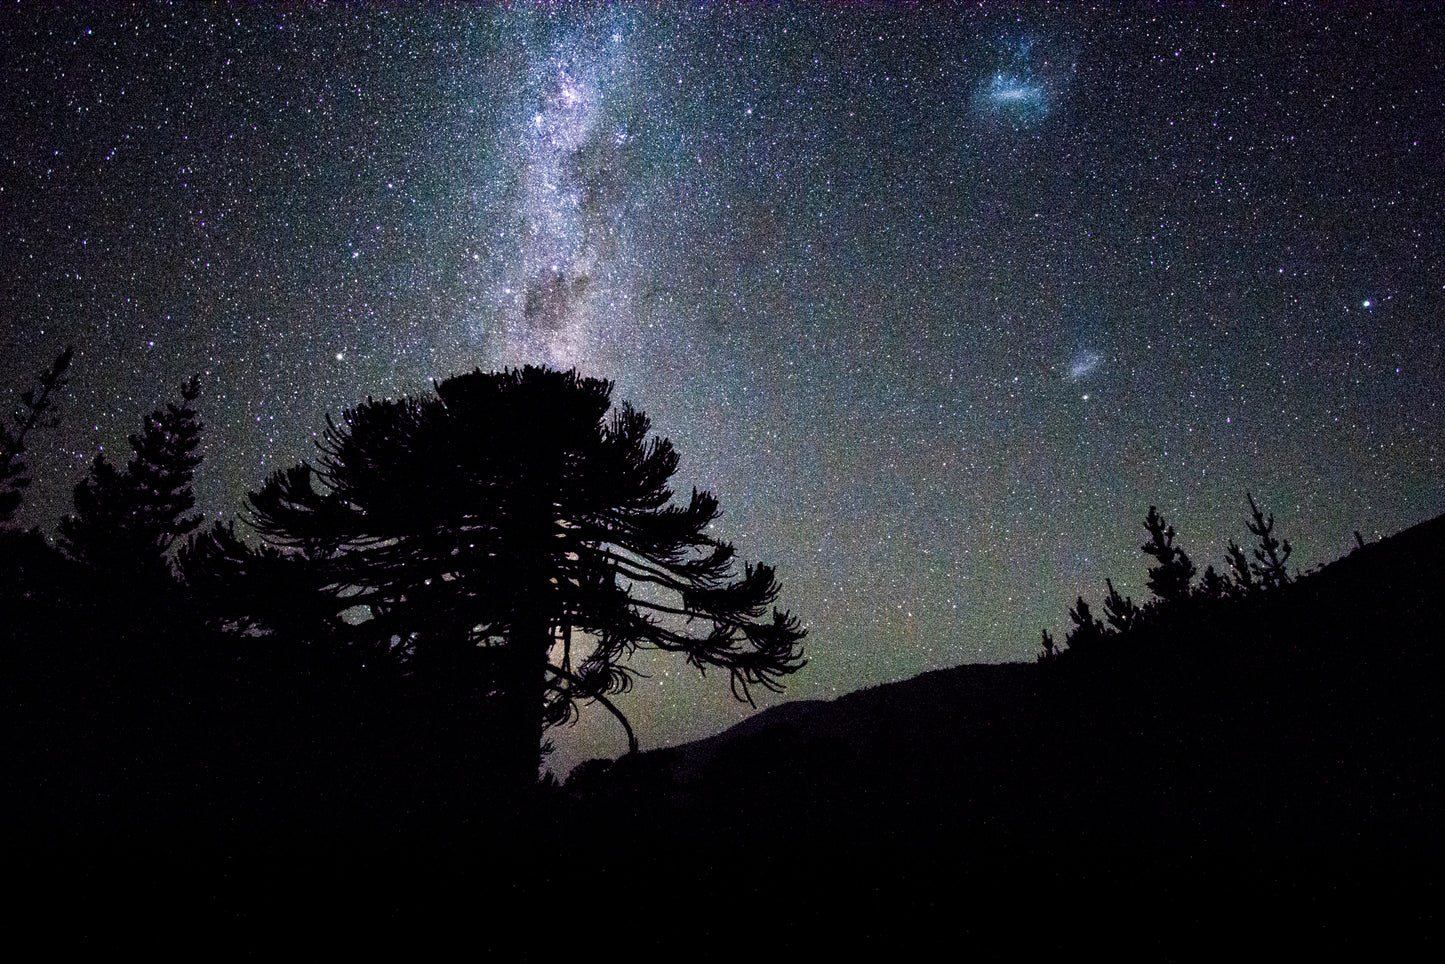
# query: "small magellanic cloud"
1083,365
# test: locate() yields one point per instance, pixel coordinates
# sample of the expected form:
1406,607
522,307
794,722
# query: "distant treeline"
1176,596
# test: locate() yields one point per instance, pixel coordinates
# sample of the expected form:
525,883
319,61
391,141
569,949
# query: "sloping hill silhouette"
1291,739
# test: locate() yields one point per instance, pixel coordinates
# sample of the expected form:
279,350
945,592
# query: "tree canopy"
510,531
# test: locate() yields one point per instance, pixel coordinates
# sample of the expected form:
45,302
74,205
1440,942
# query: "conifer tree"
264,591
1172,571
1212,585
33,604
1243,579
1049,653
1120,611
34,403
126,521
1088,630
1272,555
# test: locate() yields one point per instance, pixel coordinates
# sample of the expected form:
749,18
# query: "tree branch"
562,674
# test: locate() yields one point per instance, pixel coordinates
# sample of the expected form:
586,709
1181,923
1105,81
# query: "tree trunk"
524,697
530,638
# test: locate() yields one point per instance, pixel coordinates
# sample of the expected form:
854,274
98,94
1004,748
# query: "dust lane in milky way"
937,302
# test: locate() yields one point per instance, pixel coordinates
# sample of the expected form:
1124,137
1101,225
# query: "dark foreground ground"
1257,777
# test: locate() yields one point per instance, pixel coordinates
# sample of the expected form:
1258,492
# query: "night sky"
937,301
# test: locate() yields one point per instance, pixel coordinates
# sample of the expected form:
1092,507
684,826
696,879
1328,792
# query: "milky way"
938,302
566,151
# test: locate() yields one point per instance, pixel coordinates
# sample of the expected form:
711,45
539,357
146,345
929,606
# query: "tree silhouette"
1120,611
127,520
506,533
1169,577
250,591
1088,629
1213,586
34,403
1243,580
1050,652
1272,555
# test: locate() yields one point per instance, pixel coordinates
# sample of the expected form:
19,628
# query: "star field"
938,302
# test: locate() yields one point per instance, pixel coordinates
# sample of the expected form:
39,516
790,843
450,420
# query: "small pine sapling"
1169,577
1272,555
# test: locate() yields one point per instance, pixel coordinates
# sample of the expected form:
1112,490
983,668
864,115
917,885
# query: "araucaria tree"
508,531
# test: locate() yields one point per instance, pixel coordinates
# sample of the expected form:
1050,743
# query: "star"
850,270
